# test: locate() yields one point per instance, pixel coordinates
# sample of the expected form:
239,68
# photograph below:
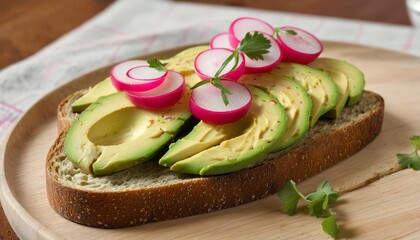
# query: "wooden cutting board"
385,209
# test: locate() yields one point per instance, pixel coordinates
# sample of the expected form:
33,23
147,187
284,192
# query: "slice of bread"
149,192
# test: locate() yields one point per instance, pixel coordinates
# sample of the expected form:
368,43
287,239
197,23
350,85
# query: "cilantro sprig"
317,202
411,160
254,45
278,31
157,64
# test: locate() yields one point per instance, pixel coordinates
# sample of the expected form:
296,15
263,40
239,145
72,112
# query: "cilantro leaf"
289,197
278,30
329,225
319,201
411,160
254,45
415,140
156,64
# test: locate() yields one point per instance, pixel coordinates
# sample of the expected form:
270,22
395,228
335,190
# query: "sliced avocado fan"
320,87
112,134
294,99
267,122
355,77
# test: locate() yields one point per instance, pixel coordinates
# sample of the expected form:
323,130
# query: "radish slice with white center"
208,62
206,103
136,75
301,48
271,59
241,26
166,94
221,40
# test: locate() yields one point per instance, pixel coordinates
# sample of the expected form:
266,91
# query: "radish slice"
302,48
241,26
271,59
221,40
208,62
207,104
166,94
136,76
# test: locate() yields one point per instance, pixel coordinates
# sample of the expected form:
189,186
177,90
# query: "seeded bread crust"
149,193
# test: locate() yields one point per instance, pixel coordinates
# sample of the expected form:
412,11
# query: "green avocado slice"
343,86
112,134
355,77
267,122
101,89
294,99
202,137
320,87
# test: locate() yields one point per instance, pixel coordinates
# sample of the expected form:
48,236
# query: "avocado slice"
320,87
267,122
343,86
354,76
202,137
183,62
112,134
103,88
294,99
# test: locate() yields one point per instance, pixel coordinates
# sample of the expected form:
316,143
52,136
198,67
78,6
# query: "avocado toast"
140,194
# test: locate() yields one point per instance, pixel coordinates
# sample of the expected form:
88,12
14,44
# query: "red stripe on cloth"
409,40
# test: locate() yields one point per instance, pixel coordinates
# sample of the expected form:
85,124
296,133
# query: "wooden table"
27,26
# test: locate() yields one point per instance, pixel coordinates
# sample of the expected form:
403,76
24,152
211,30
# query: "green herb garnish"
278,30
254,45
329,225
157,64
411,160
317,202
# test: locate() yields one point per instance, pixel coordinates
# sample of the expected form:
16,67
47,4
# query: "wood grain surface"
27,26
385,209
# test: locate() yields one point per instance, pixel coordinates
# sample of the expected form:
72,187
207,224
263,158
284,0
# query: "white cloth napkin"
129,28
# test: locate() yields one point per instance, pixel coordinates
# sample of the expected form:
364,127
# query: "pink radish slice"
208,62
302,48
271,59
166,94
243,25
136,75
206,103
221,40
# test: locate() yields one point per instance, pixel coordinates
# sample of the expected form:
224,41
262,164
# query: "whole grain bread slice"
149,192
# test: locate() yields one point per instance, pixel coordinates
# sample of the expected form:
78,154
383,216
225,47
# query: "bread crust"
116,209
64,112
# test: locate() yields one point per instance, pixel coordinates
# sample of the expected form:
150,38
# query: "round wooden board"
385,209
